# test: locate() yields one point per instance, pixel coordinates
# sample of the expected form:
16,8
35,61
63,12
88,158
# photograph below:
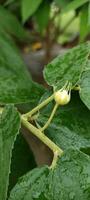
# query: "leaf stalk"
37,108
50,118
37,132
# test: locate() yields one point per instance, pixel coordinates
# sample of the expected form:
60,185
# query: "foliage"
9,119
40,13
72,184
10,24
68,135
15,80
29,7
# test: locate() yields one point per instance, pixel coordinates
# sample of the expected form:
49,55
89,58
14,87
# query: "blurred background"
43,29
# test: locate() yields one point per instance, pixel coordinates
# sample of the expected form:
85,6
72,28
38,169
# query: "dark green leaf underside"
15,82
61,183
16,85
9,127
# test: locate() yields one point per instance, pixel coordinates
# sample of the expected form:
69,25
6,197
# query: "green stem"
41,136
55,158
50,118
37,108
77,88
37,132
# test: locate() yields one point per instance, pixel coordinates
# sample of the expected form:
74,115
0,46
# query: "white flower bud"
62,97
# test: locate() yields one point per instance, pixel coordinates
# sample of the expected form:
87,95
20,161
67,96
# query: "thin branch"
50,118
37,108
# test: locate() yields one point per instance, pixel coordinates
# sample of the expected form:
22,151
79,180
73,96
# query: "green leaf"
15,82
67,67
9,127
74,5
10,24
85,88
21,156
29,7
36,93
70,126
74,67
42,15
70,179
31,185
84,26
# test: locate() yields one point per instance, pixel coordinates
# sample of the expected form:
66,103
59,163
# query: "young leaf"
58,183
74,5
29,7
9,127
70,126
67,67
10,24
42,15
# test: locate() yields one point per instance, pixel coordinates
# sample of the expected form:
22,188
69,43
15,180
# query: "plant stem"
37,108
50,118
77,88
41,136
55,158
48,44
37,132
